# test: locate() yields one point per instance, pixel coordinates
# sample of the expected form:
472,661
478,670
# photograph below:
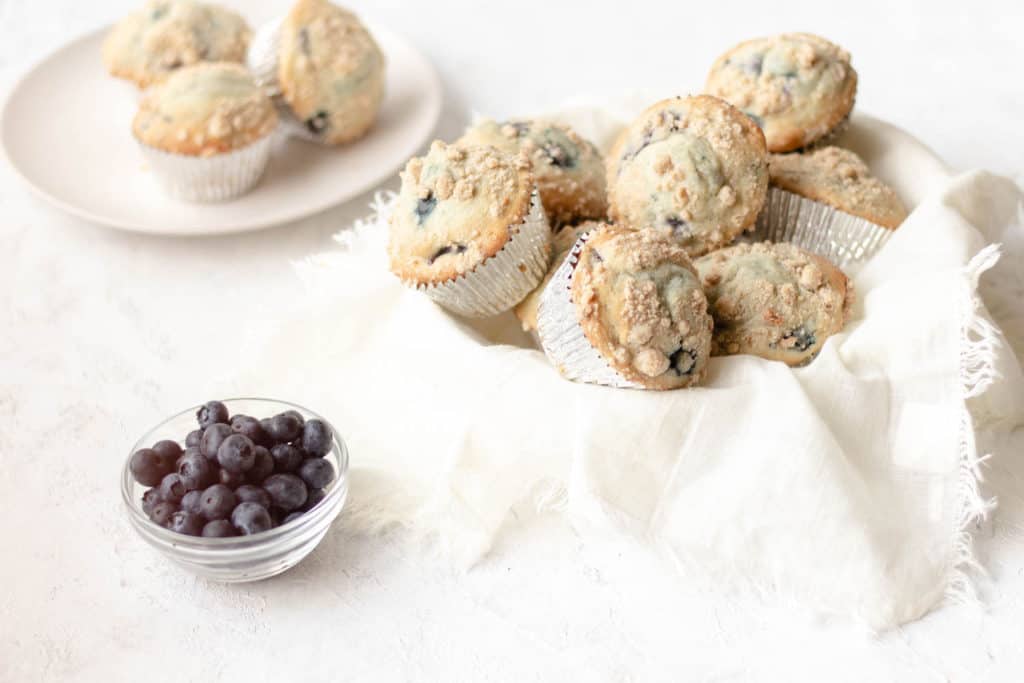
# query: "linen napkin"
850,485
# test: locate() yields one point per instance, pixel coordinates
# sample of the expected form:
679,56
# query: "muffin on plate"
569,169
695,168
626,309
798,87
166,35
468,229
561,243
206,131
324,70
775,301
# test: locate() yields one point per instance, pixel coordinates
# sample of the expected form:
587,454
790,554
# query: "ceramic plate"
66,129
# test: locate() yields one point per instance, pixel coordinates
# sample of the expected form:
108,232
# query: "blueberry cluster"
237,474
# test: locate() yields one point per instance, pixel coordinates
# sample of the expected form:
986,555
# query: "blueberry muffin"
568,168
841,179
206,131
561,243
627,309
325,70
797,86
468,229
775,301
695,168
166,35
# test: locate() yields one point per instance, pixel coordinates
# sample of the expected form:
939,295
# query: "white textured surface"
103,334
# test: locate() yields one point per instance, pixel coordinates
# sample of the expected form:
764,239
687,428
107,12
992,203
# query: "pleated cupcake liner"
209,179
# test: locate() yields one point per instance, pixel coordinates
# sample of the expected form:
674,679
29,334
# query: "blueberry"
297,415
248,426
286,491
316,472
230,479
262,467
801,338
292,516
287,457
248,493
147,467
424,207
317,438
196,472
213,437
190,502
314,497
678,225
217,502
192,440
169,451
172,488
237,453
318,123
250,518
219,528
282,428
162,512
445,250
187,523
212,413
149,500
683,361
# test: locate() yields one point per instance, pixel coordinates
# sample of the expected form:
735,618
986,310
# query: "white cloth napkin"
850,485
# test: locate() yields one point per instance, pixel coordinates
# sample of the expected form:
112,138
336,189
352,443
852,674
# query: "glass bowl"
239,558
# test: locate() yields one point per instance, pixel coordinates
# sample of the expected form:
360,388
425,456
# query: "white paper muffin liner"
209,179
503,280
846,240
562,337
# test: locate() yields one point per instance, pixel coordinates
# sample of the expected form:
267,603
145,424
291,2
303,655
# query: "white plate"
66,129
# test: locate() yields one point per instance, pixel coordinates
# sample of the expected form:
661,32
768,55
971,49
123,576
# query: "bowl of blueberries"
237,490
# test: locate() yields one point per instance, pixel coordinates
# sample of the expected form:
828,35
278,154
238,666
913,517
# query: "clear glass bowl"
240,558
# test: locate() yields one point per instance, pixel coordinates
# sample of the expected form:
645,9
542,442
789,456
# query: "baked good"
206,131
468,229
626,309
568,168
841,179
166,35
775,301
798,87
323,68
695,168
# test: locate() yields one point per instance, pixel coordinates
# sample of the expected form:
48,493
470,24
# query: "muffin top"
568,168
204,110
797,86
775,301
166,35
841,179
640,304
330,70
561,243
693,167
457,207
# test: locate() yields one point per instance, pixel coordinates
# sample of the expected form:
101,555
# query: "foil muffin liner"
562,337
209,179
846,240
503,280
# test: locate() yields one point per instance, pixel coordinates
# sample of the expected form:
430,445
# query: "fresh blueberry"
190,502
248,426
196,472
147,467
192,440
162,512
286,491
237,453
297,415
262,467
219,528
150,499
314,497
217,502
187,523
317,438
169,451
212,413
172,488
287,457
213,437
248,493
282,428
230,479
316,472
251,518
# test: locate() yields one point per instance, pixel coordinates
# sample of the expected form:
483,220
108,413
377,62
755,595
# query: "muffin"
561,244
166,35
568,168
797,86
206,131
841,179
626,309
694,168
468,229
324,70
775,301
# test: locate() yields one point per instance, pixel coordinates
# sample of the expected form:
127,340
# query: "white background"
102,334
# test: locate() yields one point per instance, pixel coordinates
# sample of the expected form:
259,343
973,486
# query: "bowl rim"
242,544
